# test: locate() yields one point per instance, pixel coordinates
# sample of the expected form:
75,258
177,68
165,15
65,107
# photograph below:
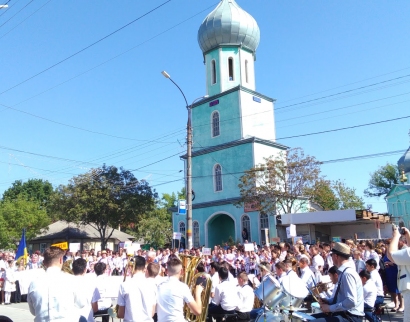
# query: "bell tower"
228,38
233,130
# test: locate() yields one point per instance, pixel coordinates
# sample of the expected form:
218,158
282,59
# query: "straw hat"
341,249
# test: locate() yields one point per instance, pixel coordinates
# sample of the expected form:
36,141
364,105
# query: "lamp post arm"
186,102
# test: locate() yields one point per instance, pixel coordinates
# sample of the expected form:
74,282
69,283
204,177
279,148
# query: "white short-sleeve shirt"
171,296
138,296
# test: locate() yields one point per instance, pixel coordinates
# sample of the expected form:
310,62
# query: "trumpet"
319,288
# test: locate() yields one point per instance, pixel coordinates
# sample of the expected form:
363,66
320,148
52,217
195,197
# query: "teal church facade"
233,130
398,198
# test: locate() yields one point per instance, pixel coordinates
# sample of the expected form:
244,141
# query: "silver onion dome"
404,162
228,24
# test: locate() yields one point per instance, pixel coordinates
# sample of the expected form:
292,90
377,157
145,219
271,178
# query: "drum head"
294,286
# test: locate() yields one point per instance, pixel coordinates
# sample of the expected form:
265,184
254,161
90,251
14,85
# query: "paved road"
20,313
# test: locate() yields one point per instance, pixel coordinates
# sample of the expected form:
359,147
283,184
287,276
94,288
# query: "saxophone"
189,264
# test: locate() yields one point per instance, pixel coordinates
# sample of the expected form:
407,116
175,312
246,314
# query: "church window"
246,71
195,231
246,228
215,124
264,221
213,72
182,228
218,177
230,68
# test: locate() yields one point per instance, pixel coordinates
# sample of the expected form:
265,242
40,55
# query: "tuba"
189,264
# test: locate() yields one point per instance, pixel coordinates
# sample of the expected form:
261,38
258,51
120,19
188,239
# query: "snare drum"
270,292
300,316
316,308
295,290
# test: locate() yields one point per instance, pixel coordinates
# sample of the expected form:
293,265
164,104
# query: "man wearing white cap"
348,303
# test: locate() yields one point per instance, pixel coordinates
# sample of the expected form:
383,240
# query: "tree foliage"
155,228
322,194
347,196
277,185
382,180
17,214
37,190
104,198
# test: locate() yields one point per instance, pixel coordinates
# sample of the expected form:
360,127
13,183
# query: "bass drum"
271,317
295,290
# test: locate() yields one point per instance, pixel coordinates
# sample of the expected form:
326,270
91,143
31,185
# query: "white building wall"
246,56
363,231
257,118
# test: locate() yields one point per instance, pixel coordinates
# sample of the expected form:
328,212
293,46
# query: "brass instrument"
67,266
189,264
319,288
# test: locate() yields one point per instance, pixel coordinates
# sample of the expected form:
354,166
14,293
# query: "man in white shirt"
87,289
317,260
172,294
246,297
104,303
369,296
306,273
371,267
226,297
214,277
137,297
52,296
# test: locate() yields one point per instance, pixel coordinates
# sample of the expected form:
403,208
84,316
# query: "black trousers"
217,309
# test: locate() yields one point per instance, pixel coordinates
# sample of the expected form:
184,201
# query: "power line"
9,7
16,13
331,89
25,19
343,128
344,92
85,48
75,127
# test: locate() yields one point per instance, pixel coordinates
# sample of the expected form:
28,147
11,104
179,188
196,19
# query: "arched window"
215,124
230,68
218,177
182,228
246,228
246,71
213,72
264,221
195,231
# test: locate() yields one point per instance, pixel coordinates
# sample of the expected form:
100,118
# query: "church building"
233,130
398,198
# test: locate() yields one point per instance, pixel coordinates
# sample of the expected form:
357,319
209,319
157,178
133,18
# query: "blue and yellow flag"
21,253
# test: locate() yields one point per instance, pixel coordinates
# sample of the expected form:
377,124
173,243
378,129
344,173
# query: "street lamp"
188,178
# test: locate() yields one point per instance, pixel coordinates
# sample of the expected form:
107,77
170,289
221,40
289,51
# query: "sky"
81,84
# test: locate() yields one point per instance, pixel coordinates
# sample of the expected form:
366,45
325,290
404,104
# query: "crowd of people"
354,278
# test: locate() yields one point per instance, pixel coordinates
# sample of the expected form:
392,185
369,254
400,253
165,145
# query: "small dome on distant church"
228,24
404,162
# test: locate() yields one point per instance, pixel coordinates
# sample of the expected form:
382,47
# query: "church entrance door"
220,228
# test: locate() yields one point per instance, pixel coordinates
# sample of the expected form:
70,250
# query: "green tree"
322,194
347,196
37,190
155,228
277,185
104,198
17,214
382,180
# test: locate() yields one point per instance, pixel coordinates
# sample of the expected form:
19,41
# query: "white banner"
176,236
